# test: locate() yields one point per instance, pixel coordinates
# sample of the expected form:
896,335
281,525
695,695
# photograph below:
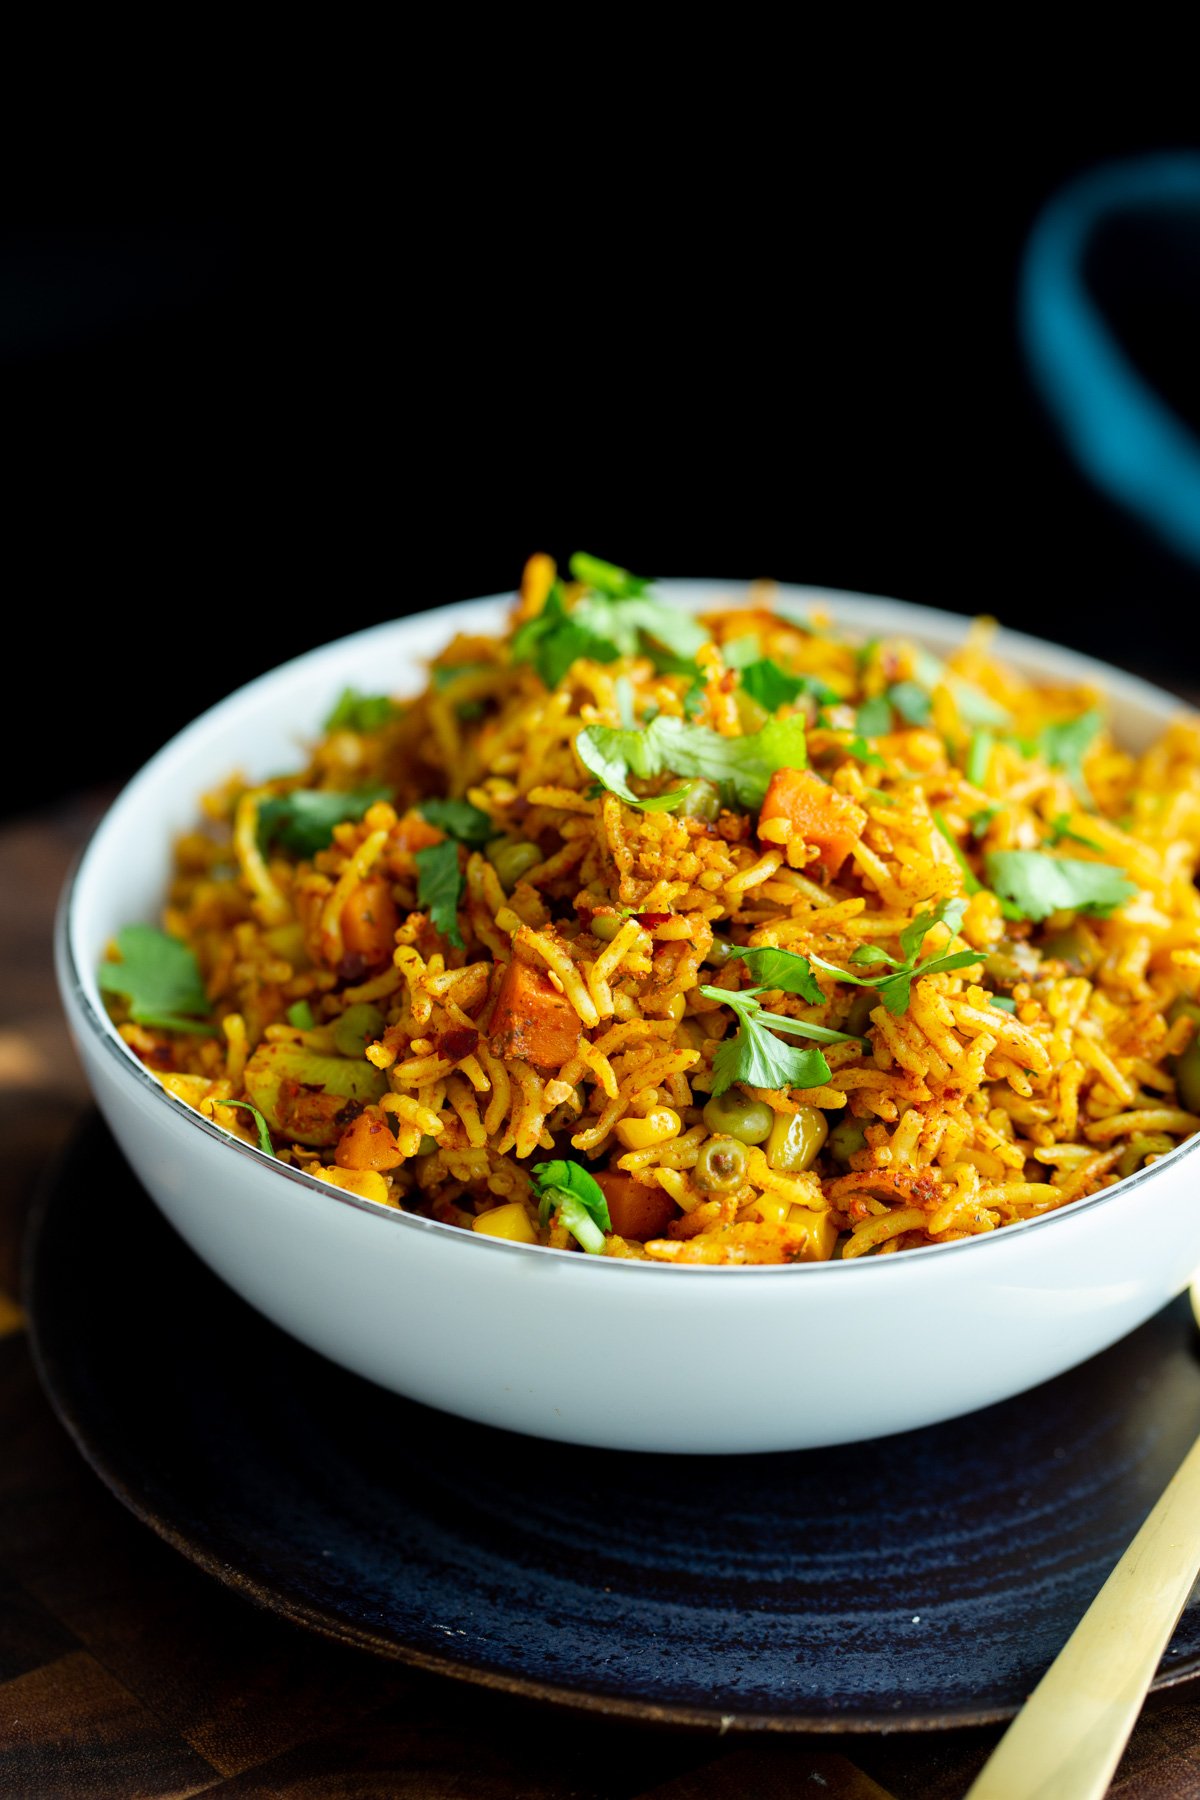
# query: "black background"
247,417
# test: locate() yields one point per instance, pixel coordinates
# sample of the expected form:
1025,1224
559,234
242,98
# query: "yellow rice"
972,1117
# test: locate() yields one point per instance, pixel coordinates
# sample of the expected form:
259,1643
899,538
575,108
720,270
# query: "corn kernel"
820,1233
675,1006
368,1184
511,1221
656,1128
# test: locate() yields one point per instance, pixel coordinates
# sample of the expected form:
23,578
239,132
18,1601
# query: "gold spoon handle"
1067,1739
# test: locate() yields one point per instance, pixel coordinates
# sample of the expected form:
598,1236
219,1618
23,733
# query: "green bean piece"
701,800
732,1112
796,1140
357,1027
845,1140
511,858
721,1165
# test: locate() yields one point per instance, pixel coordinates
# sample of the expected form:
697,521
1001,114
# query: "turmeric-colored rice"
1059,1059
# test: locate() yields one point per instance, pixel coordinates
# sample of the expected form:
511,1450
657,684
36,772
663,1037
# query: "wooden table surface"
126,1671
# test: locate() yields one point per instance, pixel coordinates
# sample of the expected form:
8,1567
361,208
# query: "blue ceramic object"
923,1580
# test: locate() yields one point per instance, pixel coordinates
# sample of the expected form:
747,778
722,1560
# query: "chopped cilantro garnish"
1036,884
555,639
459,819
974,706
783,969
979,821
260,1124
862,752
1060,832
774,687
361,712
439,887
303,820
693,700
1003,1002
568,1189
740,652
741,765
911,702
626,622
754,1054
301,1016
160,979
623,693
874,717
1064,746
895,987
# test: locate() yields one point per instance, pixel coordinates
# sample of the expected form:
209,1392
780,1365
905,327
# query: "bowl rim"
73,987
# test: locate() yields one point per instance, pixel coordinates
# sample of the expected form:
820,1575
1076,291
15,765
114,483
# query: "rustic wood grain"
125,1671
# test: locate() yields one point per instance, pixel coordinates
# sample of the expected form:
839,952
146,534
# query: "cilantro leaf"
1065,744
625,621
911,702
1060,832
773,687
743,765
1003,1002
774,968
740,652
568,1189
361,712
754,1054
874,717
862,752
1037,884
459,819
974,706
160,979
555,639
949,913
896,991
439,888
303,820
980,820
260,1124
895,987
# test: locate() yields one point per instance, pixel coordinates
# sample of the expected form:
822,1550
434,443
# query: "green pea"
721,1165
511,858
1074,948
749,1121
719,952
796,1140
702,800
357,1027
427,1146
605,926
845,1140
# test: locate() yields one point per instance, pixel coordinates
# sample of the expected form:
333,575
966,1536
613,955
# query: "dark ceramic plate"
919,1581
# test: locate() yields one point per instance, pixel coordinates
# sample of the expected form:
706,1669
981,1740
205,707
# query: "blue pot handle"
1126,439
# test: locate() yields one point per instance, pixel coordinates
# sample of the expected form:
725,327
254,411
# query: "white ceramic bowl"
623,1354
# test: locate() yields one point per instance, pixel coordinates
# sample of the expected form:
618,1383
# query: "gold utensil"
1067,1739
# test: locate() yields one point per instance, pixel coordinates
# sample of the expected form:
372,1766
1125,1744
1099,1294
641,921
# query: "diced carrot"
413,832
816,812
369,921
368,1142
636,1211
531,1019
